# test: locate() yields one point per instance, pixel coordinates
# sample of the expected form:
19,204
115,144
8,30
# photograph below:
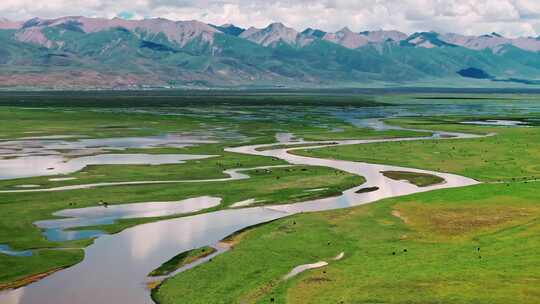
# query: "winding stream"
115,267
234,174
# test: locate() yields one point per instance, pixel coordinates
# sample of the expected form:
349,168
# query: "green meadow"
472,245
476,244
279,185
20,210
510,154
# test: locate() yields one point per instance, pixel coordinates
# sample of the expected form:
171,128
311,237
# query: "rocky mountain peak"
229,29
345,31
277,26
380,36
178,32
346,38
181,33
272,35
311,32
428,40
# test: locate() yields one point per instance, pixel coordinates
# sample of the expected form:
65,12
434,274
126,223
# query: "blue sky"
509,17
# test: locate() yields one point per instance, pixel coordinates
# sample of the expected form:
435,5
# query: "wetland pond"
41,157
55,230
496,122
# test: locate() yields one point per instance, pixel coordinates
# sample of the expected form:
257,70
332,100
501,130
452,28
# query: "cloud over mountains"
471,17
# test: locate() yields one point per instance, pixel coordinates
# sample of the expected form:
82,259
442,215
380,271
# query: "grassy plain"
475,244
510,155
441,231
418,249
210,168
182,259
35,114
20,210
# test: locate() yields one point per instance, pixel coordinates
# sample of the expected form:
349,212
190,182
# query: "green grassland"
182,259
440,231
475,244
103,123
27,122
347,131
185,98
20,210
210,168
510,155
16,271
254,117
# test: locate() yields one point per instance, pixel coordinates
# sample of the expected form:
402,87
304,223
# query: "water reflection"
32,166
5,249
284,137
55,230
115,267
53,155
46,146
496,122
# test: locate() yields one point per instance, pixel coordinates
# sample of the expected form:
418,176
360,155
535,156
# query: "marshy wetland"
205,199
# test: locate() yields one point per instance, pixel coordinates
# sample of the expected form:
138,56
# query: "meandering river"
115,267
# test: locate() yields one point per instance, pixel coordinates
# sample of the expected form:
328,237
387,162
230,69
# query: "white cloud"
509,17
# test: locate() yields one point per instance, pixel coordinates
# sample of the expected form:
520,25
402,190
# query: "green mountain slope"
63,54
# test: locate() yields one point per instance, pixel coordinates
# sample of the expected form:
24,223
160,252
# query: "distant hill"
80,52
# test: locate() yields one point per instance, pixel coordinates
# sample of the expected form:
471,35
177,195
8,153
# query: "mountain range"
80,52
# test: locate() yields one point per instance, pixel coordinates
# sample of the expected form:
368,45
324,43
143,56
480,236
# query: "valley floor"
470,245
476,244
